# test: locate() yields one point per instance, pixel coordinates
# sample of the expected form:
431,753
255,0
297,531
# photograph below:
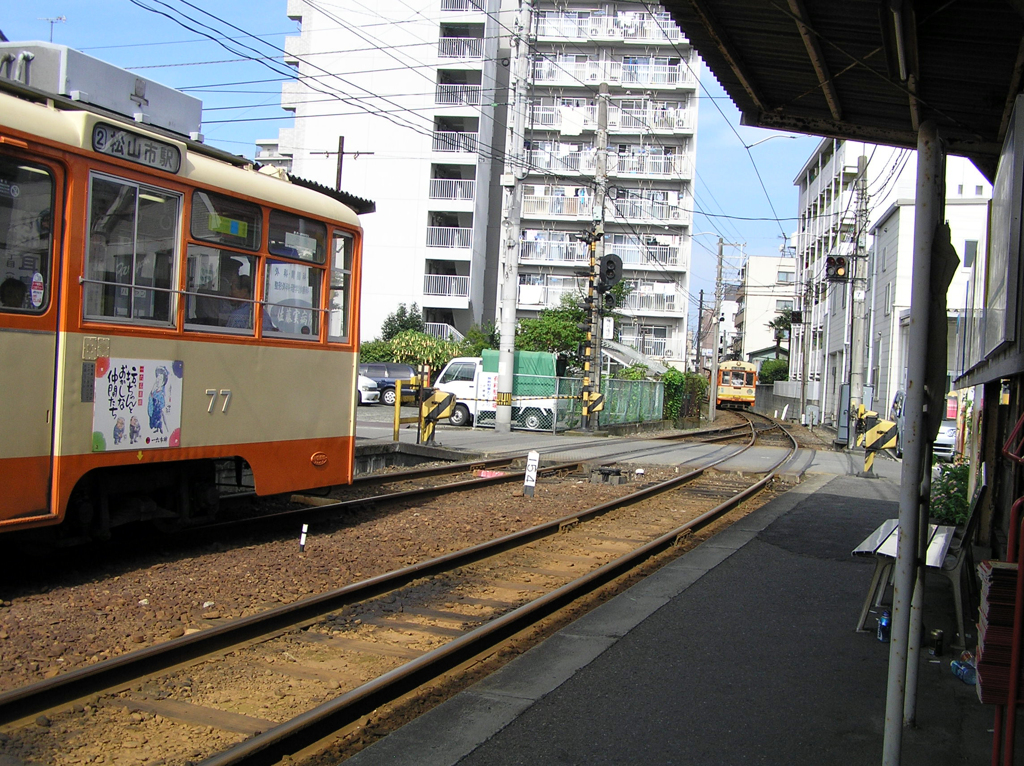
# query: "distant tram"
172,320
737,383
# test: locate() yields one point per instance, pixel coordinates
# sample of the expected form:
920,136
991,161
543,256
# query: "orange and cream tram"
737,384
169,315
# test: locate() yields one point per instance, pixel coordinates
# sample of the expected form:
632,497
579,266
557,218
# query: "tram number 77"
212,393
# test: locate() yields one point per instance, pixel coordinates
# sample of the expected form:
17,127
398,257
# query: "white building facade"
839,216
399,106
651,74
767,289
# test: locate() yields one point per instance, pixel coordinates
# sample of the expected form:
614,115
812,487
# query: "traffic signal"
796,317
609,272
835,268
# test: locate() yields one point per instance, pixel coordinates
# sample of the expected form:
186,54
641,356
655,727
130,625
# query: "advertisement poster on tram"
137,404
290,298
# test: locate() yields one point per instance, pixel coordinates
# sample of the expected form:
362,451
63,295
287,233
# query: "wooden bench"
881,544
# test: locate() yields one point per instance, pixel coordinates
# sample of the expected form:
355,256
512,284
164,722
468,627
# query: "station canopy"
867,70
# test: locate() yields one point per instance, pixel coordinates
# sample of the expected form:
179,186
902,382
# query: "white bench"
881,544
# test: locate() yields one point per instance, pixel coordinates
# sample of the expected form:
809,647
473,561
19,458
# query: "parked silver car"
369,392
944,446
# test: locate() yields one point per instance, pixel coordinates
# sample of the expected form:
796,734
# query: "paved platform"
741,651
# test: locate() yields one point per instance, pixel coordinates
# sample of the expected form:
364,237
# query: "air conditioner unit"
668,353
676,214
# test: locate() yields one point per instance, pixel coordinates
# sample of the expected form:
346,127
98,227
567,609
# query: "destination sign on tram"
131,146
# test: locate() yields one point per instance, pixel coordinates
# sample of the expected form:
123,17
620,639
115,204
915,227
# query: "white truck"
474,382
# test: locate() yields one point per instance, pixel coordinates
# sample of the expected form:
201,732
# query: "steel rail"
272,746
117,672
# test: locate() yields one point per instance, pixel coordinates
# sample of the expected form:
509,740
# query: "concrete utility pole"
859,285
713,398
696,340
601,180
511,209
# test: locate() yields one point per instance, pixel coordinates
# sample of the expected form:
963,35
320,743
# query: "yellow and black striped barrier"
438,405
877,435
596,403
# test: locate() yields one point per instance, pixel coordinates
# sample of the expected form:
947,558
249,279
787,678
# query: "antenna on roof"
54,20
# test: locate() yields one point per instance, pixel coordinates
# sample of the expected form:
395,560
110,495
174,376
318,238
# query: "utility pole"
601,181
696,342
511,209
713,398
859,285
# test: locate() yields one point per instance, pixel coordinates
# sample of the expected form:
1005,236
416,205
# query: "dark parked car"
385,374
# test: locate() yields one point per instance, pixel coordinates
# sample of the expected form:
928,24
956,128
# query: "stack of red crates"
995,630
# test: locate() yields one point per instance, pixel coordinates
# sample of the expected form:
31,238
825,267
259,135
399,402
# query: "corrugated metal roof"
832,68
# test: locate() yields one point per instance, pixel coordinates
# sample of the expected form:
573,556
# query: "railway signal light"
836,269
609,272
796,317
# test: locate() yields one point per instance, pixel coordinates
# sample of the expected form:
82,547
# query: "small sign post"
530,481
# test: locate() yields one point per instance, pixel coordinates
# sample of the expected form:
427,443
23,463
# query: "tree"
554,329
781,327
401,319
773,370
479,337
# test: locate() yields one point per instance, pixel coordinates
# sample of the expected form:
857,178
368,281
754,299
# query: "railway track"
341,654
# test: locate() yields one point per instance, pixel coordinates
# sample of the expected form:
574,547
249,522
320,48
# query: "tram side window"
292,295
219,290
26,230
295,237
341,287
130,257
225,221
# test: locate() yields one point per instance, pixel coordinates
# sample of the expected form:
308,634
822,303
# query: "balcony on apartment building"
641,210
444,286
554,247
459,87
537,292
597,26
581,72
620,120
462,6
450,235
578,205
563,248
652,299
651,345
456,134
624,165
461,41
446,184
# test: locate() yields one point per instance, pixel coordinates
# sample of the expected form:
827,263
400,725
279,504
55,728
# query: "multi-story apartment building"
408,109
841,216
767,288
651,74
400,106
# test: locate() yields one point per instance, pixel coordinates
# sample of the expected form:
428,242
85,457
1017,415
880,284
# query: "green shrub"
633,372
684,391
949,501
773,370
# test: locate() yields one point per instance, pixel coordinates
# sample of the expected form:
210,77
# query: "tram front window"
26,226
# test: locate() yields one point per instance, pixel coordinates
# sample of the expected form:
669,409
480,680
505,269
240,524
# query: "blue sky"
729,199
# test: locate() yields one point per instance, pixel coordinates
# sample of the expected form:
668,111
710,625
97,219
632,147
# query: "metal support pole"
808,317
928,206
511,222
858,284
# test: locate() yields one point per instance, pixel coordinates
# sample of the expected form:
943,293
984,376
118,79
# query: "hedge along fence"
632,401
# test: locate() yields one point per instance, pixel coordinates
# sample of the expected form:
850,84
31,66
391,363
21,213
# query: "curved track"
509,615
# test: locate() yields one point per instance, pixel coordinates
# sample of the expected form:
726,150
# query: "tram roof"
860,70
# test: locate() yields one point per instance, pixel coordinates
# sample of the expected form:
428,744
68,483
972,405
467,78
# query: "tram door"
30,192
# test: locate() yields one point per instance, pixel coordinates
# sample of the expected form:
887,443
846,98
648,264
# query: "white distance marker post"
530,481
302,538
